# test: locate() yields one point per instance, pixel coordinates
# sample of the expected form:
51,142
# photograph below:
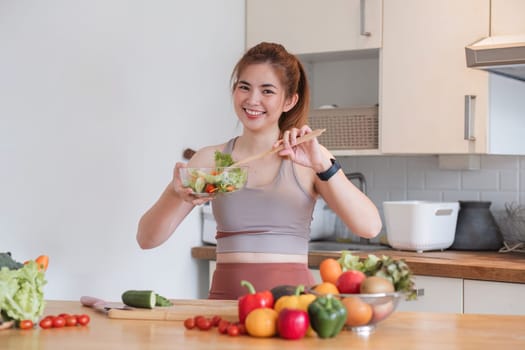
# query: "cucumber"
140,298
163,301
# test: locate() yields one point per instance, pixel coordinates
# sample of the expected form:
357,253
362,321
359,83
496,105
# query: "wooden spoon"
304,138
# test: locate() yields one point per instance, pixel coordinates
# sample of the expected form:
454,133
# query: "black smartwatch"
327,174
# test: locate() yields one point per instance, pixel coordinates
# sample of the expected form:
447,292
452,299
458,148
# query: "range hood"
503,55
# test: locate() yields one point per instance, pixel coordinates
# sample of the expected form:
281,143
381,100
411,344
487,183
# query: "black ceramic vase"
476,228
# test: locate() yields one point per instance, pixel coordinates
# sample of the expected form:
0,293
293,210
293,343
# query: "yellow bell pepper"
297,301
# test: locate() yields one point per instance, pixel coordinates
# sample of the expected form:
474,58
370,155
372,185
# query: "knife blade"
102,305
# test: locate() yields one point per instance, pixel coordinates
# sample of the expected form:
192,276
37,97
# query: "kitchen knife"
102,305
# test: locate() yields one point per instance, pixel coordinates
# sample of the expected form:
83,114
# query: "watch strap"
327,174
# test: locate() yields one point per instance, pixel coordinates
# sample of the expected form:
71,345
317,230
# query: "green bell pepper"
327,316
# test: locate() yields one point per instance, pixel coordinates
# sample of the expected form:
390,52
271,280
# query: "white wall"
98,99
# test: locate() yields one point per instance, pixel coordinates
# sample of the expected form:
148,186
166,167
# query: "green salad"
220,180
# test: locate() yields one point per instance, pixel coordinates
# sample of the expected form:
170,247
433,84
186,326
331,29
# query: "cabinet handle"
362,11
470,101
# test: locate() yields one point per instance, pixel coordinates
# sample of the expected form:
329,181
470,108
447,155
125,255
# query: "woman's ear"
290,102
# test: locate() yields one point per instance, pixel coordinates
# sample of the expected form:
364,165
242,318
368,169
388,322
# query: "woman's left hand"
307,154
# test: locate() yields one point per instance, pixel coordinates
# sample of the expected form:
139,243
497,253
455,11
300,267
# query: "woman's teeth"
252,112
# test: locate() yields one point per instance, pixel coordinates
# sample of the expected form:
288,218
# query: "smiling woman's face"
259,97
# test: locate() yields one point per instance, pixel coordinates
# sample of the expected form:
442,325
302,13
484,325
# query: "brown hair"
291,74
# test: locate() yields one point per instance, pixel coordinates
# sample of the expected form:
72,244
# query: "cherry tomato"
215,320
203,324
59,322
223,326
83,319
71,321
189,323
46,323
25,324
242,328
210,188
63,315
233,330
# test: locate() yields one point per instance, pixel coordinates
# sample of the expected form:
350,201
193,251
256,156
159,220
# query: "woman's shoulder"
205,157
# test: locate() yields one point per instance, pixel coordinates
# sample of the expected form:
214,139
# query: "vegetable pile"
21,289
218,181
290,312
397,271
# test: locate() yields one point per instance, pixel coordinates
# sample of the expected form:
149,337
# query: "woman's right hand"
185,193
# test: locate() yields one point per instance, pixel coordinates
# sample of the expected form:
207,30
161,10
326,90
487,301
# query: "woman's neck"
255,142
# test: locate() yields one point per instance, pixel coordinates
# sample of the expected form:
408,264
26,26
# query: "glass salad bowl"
206,182
365,311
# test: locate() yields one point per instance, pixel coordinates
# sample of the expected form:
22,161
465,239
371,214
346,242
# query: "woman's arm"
161,220
173,205
351,205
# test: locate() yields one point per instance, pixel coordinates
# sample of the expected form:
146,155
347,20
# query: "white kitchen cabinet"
430,102
424,78
436,294
506,17
484,297
312,26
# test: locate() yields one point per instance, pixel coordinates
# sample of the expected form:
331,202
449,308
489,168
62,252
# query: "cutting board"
181,310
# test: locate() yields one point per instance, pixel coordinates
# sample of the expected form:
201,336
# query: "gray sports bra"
274,218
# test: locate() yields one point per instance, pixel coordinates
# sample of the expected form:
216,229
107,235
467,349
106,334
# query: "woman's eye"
268,92
243,87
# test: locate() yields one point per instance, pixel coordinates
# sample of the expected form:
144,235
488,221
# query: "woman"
263,229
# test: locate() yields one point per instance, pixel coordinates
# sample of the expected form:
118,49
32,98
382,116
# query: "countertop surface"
477,265
403,330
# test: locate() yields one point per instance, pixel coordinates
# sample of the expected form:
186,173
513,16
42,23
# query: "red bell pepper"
253,300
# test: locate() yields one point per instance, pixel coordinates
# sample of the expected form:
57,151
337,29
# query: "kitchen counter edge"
475,265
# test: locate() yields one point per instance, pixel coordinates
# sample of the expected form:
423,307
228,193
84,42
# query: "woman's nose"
254,97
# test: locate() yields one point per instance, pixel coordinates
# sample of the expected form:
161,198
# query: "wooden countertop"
403,330
487,266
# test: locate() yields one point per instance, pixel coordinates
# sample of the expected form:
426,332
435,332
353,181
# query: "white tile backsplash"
442,180
480,179
501,179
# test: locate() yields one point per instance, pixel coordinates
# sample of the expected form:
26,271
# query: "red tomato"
189,323
223,326
210,188
59,322
203,324
83,319
63,315
46,323
25,324
215,320
71,321
242,328
233,330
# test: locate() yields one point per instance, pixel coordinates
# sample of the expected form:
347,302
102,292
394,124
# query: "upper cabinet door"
424,77
313,26
507,17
